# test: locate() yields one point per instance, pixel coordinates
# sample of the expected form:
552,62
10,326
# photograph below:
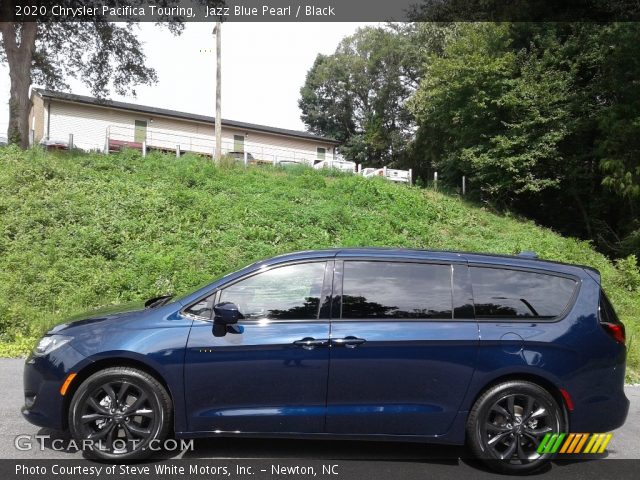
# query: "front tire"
508,422
120,413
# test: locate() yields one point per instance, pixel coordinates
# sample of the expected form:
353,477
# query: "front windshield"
214,279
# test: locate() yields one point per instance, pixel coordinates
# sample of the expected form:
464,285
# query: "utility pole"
217,31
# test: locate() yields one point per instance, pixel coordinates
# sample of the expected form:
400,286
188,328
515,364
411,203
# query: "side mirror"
225,313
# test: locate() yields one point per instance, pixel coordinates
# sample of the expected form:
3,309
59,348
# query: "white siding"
89,125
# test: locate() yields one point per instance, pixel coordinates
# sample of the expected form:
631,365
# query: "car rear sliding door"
403,346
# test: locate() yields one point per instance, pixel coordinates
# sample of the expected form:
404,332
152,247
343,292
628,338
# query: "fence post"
70,141
245,158
384,171
177,151
275,159
359,168
410,176
144,148
435,180
464,185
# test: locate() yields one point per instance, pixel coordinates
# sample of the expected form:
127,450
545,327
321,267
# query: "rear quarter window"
517,294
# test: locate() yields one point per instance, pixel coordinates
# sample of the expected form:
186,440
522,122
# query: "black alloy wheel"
120,413
507,424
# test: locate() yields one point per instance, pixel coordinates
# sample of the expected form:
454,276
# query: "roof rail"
528,254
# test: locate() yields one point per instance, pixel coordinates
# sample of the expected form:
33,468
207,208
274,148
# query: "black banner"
271,469
319,10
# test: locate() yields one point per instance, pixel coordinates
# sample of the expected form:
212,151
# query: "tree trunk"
19,58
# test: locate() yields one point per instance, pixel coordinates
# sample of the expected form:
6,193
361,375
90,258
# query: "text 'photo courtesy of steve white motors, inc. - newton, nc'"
163,469
237,12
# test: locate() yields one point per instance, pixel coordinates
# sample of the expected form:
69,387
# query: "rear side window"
504,293
607,313
393,290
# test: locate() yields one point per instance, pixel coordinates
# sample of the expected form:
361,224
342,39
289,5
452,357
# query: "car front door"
268,372
399,362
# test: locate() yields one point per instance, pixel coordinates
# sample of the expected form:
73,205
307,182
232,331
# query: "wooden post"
218,120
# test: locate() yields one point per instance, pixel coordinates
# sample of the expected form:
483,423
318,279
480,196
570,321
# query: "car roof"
526,260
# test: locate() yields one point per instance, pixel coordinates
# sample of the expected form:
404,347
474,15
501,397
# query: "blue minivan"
384,344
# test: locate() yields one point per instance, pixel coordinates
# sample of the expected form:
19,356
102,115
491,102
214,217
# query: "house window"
321,152
140,131
238,143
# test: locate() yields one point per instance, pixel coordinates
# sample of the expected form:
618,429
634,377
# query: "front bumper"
43,376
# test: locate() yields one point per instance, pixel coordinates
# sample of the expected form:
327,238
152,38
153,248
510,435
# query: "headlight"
49,343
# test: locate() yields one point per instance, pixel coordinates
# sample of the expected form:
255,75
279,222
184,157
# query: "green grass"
79,231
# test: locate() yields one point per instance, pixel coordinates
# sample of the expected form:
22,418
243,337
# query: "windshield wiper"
157,301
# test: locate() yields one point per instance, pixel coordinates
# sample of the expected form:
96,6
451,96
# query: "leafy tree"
544,118
358,95
104,55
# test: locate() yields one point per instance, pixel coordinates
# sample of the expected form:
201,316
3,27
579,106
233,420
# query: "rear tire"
508,422
123,412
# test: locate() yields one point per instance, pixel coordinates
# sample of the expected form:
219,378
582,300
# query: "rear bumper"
600,414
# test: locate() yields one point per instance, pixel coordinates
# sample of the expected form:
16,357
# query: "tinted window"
396,290
291,292
607,313
517,294
204,308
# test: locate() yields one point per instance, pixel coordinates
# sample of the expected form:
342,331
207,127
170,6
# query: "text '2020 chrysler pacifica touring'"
434,347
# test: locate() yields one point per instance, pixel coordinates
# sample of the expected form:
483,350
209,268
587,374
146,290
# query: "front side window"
291,292
321,153
393,290
503,293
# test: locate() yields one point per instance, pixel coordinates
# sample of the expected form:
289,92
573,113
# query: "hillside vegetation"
79,231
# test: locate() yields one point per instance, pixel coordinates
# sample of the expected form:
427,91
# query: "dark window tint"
203,308
396,290
291,293
517,294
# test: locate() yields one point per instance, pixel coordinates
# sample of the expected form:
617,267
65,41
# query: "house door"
238,143
140,131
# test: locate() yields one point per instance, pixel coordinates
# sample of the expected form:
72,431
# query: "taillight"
616,330
609,320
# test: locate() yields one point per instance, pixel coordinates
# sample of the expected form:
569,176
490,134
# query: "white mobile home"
58,119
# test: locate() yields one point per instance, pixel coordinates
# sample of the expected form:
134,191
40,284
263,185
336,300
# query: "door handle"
349,342
309,343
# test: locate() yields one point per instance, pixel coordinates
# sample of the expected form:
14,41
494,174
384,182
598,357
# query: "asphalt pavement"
402,457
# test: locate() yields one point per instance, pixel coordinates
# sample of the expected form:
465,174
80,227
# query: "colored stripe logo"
574,443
